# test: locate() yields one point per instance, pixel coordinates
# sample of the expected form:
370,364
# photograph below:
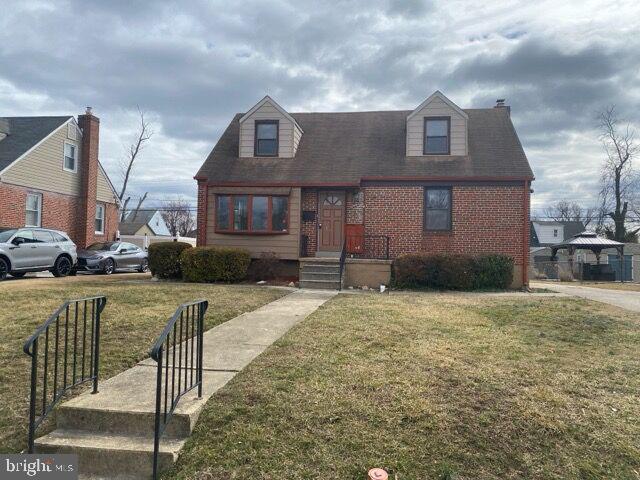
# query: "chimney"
90,126
4,127
500,104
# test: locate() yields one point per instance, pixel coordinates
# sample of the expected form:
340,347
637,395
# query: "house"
144,222
379,184
51,177
550,232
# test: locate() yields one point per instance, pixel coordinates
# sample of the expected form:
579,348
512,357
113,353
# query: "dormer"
267,130
438,127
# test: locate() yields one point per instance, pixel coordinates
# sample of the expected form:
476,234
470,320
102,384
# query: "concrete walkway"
112,431
620,298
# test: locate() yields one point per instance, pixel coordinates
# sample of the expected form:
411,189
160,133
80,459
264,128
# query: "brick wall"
308,228
201,218
486,219
355,207
59,212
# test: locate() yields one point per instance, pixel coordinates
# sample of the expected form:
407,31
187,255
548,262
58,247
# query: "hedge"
214,264
164,259
453,272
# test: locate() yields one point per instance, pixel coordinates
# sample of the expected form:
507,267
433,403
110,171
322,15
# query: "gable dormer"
437,127
267,130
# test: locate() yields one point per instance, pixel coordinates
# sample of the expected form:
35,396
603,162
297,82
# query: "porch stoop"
320,273
112,431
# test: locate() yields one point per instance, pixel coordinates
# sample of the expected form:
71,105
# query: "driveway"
619,298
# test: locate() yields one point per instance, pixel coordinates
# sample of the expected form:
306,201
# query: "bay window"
252,214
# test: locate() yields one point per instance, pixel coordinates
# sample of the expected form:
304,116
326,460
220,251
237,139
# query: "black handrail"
87,311
343,257
186,324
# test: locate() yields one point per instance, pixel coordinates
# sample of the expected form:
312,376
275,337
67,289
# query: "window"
252,213
70,157
34,210
26,235
266,143
99,218
436,135
555,232
59,238
42,236
437,212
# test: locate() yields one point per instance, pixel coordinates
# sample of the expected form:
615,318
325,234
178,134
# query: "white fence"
144,241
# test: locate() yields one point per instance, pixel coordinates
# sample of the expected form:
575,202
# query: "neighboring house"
550,232
144,222
438,179
50,176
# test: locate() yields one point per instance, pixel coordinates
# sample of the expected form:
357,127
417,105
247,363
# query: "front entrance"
331,221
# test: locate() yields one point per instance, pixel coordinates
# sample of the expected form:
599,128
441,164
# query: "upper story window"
70,157
266,138
437,131
437,209
252,214
555,232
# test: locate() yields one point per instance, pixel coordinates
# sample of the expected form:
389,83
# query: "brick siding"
485,219
308,228
59,212
201,218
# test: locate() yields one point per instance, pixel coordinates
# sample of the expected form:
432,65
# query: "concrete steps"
112,431
323,275
105,455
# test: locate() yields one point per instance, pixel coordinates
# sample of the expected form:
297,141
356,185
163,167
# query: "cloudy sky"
192,65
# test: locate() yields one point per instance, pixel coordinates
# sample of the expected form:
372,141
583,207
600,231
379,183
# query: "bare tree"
143,135
565,211
177,215
619,179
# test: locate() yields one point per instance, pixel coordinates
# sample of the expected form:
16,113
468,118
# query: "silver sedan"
108,257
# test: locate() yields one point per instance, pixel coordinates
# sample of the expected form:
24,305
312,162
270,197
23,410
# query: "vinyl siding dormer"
289,132
437,106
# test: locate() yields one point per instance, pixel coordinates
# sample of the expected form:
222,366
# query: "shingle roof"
135,221
24,133
345,147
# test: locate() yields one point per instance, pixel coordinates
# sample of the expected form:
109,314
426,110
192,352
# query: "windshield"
112,246
5,235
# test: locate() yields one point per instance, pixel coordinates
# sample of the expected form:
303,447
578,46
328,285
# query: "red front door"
331,226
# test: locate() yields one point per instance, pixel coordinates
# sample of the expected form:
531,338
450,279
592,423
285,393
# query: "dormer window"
266,138
436,135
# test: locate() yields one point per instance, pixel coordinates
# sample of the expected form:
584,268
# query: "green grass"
134,316
433,386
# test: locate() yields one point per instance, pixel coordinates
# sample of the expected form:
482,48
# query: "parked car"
25,250
107,257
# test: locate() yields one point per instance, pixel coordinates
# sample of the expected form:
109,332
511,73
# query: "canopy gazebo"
589,241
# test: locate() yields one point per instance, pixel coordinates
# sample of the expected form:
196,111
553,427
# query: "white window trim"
100,232
75,163
39,195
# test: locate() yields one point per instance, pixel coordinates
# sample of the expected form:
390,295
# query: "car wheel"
62,268
109,266
144,266
4,269
18,274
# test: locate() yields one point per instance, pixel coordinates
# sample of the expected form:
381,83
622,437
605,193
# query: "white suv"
27,249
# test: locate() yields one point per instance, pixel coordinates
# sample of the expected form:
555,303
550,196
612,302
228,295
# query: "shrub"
214,264
266,267
164,259
453,272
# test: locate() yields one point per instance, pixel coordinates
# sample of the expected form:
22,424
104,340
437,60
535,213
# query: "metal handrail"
79,309
343,257
177,337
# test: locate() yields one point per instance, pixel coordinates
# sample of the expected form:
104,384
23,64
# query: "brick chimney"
90,126
500,104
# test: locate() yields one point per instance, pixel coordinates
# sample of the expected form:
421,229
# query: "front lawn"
134,316
433,386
